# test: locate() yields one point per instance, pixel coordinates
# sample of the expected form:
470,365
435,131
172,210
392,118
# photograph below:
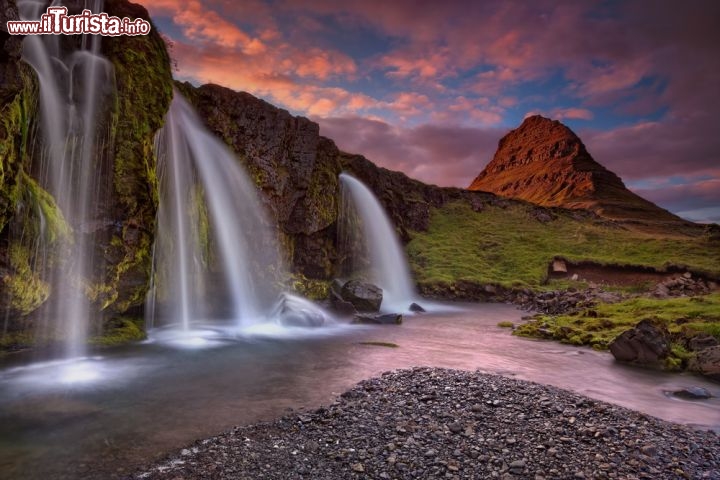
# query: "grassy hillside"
511,247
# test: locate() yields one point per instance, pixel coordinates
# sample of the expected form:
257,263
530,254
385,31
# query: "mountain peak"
544,162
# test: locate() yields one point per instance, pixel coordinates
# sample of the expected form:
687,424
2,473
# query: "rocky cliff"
296,171
125,221
544,162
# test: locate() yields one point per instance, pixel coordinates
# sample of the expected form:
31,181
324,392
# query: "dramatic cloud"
638,82
441,155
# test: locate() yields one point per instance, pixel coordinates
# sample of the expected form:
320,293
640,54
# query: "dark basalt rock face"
296,171
124,226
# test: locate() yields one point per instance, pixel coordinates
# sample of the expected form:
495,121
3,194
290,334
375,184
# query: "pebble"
382,429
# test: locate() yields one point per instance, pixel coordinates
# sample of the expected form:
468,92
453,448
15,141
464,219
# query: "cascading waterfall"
212,239
388,264
74,89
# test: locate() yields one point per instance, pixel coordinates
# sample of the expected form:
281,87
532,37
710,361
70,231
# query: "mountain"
544,162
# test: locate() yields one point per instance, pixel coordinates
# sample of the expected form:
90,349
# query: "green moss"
120,331
506,324
56,228
505,246
310,288
14,341
143,94
15,114
684,317
25,289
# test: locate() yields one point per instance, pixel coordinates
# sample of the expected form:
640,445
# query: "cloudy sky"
429,87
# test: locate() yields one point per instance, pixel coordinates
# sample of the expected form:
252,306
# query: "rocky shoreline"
438,423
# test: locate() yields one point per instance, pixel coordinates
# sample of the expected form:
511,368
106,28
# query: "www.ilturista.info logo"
56,21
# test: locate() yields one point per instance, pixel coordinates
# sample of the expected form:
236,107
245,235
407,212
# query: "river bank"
438,423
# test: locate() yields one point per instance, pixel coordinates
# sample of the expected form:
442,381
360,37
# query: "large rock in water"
644,344
707,362
365,297
544,162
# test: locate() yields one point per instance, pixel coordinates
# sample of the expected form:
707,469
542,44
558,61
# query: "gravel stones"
382,429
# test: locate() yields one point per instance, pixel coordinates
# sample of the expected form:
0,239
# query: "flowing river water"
103,417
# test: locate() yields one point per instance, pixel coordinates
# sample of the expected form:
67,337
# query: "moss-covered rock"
144,91
124,227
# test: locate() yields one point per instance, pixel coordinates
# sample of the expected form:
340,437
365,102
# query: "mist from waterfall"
68,162
387,264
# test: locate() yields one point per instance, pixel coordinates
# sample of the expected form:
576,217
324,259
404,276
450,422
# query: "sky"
429,87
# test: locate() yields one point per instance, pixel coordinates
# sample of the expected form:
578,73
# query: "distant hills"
544,162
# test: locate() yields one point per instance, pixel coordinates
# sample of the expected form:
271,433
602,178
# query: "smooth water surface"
105,415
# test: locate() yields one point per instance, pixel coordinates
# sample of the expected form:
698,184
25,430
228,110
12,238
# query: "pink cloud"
572,113
441,155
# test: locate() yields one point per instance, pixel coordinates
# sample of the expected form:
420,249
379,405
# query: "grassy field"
509,247
684,317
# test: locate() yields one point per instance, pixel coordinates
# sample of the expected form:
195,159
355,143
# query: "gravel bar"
437,423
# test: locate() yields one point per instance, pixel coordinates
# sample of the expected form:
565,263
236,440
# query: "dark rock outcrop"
292,165
365,297
123,223
644,344
544,162
707,362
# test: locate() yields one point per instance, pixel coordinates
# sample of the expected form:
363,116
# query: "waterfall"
387,262
74,89
214,247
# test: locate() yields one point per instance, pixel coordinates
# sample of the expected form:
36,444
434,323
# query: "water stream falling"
388,264
69,162
216,255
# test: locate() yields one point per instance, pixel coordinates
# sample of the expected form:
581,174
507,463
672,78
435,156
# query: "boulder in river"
693,393
365,297
414,307
337,303
644,344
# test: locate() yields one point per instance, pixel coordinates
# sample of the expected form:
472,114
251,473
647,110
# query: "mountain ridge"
544,162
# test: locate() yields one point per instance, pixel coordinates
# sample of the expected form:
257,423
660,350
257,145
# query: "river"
107,415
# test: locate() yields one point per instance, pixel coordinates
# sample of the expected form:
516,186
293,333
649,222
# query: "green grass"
684,317
508,247
120,331
506,324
